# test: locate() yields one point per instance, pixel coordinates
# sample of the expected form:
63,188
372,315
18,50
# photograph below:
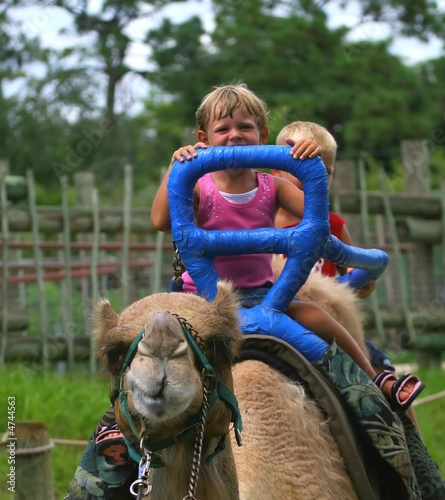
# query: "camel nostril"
160,386
143,348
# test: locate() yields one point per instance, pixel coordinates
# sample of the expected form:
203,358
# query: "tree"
67,119
111,44
16,51
303,69
433,75
284,50
421,18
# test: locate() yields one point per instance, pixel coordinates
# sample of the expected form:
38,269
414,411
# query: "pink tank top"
215,212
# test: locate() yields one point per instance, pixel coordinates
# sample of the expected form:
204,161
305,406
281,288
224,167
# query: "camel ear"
112,340
104,318
227,302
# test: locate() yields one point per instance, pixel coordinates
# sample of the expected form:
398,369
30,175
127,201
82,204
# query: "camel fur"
288,451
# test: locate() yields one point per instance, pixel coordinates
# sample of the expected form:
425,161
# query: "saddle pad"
373,477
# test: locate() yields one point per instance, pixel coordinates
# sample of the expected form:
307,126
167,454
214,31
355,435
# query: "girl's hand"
303,148
187,152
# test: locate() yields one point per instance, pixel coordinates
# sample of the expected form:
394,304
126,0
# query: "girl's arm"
288,197
160,211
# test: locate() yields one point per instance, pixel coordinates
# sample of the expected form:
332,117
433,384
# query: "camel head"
163,383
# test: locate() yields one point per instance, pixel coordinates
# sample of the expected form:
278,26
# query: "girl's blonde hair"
224,99
309,130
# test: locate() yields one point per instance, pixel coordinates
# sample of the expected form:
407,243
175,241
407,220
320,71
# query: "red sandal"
110,444
400,384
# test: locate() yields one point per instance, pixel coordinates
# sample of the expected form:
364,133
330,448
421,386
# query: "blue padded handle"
303,244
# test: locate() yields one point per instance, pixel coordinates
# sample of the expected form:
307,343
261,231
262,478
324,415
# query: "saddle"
402,468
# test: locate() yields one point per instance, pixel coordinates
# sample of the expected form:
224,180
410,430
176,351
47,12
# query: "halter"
213,388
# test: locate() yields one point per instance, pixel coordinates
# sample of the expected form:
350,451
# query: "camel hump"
288,361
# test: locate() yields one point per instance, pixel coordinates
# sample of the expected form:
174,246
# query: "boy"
297,131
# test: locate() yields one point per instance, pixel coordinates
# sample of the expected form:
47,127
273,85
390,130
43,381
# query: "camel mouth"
152,407
158,408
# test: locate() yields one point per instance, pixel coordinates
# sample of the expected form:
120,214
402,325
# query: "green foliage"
409,18
430,414
437,167
69,117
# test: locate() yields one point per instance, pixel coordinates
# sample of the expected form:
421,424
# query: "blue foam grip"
261,320
356,279
371,260
303,245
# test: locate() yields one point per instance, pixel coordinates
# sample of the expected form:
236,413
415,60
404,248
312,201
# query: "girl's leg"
325,326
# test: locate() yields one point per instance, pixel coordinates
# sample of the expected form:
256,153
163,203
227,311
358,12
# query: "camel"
288,451
172,359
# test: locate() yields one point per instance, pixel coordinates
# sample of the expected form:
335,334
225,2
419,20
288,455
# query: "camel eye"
114,356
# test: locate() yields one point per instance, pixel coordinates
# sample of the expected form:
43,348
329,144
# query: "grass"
71,406
431,414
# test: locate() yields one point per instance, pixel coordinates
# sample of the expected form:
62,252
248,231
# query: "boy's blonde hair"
309,130
223,100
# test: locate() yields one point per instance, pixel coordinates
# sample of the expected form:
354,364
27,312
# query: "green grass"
431,415
71,406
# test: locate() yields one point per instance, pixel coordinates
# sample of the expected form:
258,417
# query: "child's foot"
111,445
401,392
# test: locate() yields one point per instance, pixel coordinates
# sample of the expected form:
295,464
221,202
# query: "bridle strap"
217,390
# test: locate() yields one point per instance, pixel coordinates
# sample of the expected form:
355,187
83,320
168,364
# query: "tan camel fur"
288,451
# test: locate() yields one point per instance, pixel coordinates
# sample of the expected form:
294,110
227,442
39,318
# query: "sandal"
400,384
110,444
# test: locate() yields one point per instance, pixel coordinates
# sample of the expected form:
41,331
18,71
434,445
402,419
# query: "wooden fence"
56,261
410,299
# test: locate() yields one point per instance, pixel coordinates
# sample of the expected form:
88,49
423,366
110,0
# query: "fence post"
67,284
33,462
126,230
84,185
4,170
38,257
345,180
366,230
415,159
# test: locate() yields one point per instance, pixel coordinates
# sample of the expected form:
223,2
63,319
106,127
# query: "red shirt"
325,267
